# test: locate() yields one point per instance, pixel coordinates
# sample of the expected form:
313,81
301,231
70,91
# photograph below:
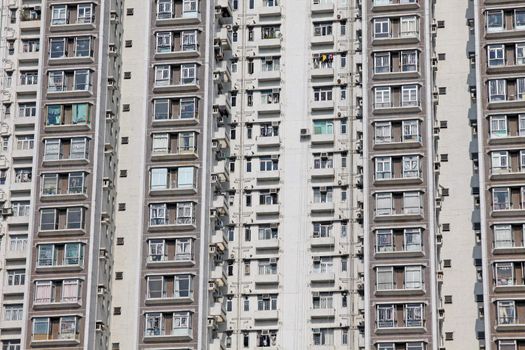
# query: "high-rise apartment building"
262,174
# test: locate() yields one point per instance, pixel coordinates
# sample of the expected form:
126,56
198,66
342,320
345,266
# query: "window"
382,97
81,80
74,218
323,264
189,8
268,164
520,54
506,312
162,75
11,344
25,142
181,323
184,213
73,254
519,19
85,13
408,26
185,177
384,204
385,346
57,47
16,277
409,96
28,78
496,55
58,14
267,267
383,168
381,28
189,41
411,202
161,109
322,29
385,278
323,127
68,327
17,243
503,236
504,274
322,229
78,148
56,82
323,336
80,113
27,109
183,249
21,208
500,161
498,126
412,239
30,45
409,61
384,240
41,328
158,214
164,9
157,250
159,178
187,108
83,47
410,166
382,63
385,316
497,90
164,41
182,286
383,132
495,21
49,184
410,130
501,198
520,94
414,315
413,277
267,302
13,312
323,94
270,32
507,345
323,194
323,161
189,74
160,143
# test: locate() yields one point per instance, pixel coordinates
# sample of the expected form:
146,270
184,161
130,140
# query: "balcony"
165,261
266,279
266,244
157,335
322,207
60,340
268,209
322,277
269,11
322,7
395,5
266,315
318,242
322,313
267,141
176,19
325,138
179,153
321,40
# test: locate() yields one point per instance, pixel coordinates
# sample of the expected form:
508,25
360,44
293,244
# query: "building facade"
249,174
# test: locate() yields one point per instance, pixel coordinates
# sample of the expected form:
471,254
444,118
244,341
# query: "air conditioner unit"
212,249
315,294
266,296
273,190
324,155
275,123
323,189
317,258
275,156
273,260
305,132
37,8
